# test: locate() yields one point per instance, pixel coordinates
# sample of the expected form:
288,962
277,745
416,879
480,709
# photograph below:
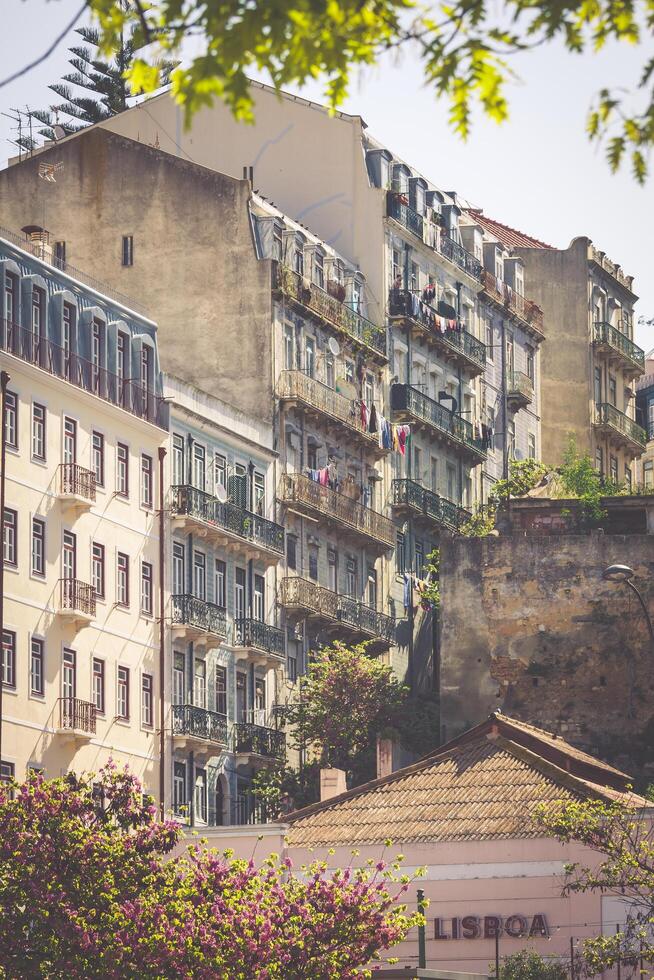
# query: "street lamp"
624,574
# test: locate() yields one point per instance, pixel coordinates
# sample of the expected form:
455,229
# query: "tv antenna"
47,171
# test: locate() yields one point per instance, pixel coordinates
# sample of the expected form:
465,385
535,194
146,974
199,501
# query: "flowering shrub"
89,888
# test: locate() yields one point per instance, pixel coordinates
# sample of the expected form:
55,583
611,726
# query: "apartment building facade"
85,426
644,465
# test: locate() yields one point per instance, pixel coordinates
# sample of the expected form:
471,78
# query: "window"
599,462
121,362
510,352
259,494
291,664
9,658
200,684
128,250
291,551
69,676
199,467
450,471
277,242
598,386
122,691
37,682
98,685
332,569
627,477
200,798
97,457
220,471
351,587
38,432
489,340
199,575
122,585
146,367
319,269
146,481
97,569
147,713
239,593
179,587
97,353
7,771
67,336
419,556
312,455
146,588
288,348
38,546
330,371
511,440
531,446
179,476
179,680
122,470
400,553
531,364
241,697
70,441
37,323
221,690
10,549
372,587
417,464
648,474
614,469
220,576
613,390
434,474
310,357
60,255
313,564
179,788
260,700
368,389
349,371
69,555
10,285
11,420
298,261
259,603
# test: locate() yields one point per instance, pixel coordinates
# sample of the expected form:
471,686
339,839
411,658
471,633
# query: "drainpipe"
409,545
4,381
162,637
460,395
505,414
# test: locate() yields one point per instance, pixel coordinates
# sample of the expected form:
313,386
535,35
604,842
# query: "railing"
257,740
189,719
77,596
76,715
520,385
526,309
329,308
458,340
127,394
440,509
187,610
300,489
76,481
606,333
405,398
402,213
191,502
607,414
303,594
460,256
261,636
297,384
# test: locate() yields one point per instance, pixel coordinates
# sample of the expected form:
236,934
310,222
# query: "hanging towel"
372,422
407,590
314,475
364,416
403,433
323,478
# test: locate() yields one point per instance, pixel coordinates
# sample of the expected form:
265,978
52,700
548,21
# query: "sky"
537,172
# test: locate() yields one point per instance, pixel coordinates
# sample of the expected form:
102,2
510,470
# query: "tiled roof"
484,785
509,237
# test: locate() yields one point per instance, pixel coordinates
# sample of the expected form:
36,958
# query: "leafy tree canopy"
465,49
528,965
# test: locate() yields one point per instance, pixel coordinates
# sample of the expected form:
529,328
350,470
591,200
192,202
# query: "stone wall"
530,627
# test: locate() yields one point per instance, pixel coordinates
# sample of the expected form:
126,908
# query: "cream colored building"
85,423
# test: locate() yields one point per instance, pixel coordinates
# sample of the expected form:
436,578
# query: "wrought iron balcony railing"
131,396
298,386
204,507
459,341
519,386
76,481
400,211
257,740
408,493
409,400
189,719
609,416
260,636
77,716
605,334
76,597
301,593
528,311
460,256
298,489
330,309
187,610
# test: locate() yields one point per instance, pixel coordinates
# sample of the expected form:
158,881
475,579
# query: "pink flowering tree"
89,887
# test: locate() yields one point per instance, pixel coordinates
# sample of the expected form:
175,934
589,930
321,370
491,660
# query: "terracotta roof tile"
509,237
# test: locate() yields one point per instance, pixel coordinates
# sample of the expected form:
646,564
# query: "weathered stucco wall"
192,242
529,626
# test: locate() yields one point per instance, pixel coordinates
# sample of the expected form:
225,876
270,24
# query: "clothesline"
390,436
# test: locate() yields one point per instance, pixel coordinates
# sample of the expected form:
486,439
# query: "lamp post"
4,381
624,574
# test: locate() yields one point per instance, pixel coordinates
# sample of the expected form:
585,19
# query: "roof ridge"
493,223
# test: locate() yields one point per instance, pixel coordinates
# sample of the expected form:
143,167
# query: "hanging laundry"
403,433
332,474
394,439
323,477
407,590
365,416
372,422
313,475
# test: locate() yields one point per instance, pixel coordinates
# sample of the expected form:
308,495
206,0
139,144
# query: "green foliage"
464,47
524,475
430,597
528,965
481,523
281,789
419,725
580,479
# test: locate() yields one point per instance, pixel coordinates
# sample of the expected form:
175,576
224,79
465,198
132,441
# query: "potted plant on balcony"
336,289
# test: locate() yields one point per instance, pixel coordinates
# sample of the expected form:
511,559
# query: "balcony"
463,259
399,210
196,618
331,311
456,345
424,503
204,731
262,644
329,407
340,615
620,429
411,405
76,601
612,268
229,525
131,396
519,390
308,497
76,719
76,485
620,349
530,315
258,741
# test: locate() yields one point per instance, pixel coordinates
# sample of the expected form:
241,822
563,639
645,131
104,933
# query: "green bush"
528,965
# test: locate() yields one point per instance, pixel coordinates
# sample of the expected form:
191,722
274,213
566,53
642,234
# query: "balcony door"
69,675
200,684
37,322
260,702
241,698
510,353
97,352
200,575
372,587
239,594
199,466
332,569
69,556
70,441
179,476
178,569
178,679
259,600
200,796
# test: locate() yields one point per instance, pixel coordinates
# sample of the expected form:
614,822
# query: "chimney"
38,241
332,783
384,757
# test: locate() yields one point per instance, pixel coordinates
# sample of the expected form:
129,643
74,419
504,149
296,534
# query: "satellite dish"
59,132
346,388
221,493
334,346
